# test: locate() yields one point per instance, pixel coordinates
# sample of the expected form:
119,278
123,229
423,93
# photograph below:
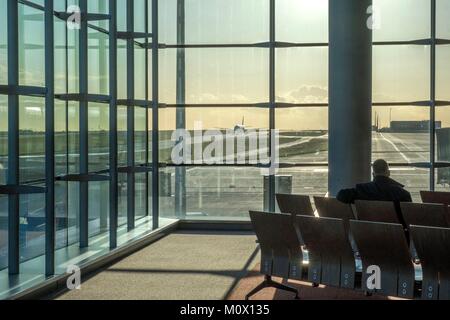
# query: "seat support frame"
269,283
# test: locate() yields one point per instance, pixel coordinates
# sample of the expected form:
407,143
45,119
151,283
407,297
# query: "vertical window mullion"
49,140
131,187
147,205
155,124
433,96
84,136
13,137
113,147
272,101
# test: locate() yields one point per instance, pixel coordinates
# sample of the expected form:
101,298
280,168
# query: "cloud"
306,94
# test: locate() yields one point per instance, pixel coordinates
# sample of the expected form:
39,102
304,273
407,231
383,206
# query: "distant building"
412,126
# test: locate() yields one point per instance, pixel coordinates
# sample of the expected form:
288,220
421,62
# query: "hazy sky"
400,73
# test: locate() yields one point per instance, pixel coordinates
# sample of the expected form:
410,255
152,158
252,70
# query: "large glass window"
225,83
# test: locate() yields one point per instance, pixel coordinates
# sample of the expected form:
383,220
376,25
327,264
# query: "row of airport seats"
339,245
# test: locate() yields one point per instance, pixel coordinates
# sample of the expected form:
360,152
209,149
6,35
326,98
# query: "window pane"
442,178
442,19
73,60
31,46
98,137
139,15
401,20
73,231
123,191
303,135
414,180
32,226
218,76
122,141
3,232
401,73
74,137
32,139
302,75
3,138
139,135
122,79
401,134
302,20
311,181
62,222
98,6
3,43
217,193
140,195
98,60
443,72
443,135
216,21
98,207
198,120
139,74
60,56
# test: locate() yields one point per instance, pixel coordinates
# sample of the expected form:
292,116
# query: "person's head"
381,168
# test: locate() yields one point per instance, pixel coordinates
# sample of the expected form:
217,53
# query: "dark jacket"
380,189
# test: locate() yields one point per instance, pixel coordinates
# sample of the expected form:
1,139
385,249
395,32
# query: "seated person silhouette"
382,188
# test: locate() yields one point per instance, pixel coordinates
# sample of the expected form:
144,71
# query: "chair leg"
267,283
284,287
260,287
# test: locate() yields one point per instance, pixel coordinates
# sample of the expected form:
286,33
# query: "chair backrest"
384,245
433,248
331,259
376,211
295,204
333,208
281,253
435,197
425,214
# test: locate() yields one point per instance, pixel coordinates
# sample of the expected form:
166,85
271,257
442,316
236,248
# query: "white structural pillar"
350,93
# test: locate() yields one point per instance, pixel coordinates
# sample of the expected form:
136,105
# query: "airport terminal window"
410,77
233,66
